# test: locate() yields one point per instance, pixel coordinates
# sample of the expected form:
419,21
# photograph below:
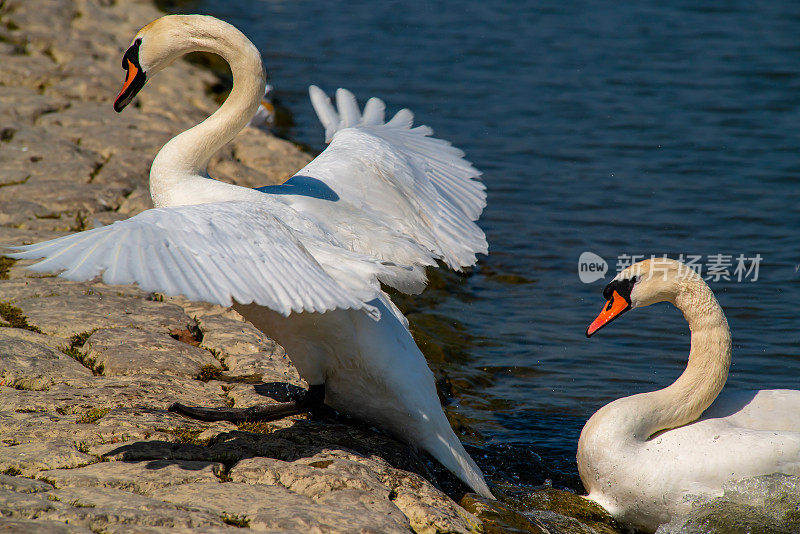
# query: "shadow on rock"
327,434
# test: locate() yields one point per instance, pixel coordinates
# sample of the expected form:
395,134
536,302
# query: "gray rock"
30,458
97,508
34,150
24,505
23,485
137,477
101,310
9,525
141,391
20,105
274,508
131,351
12,211
324,475
27,362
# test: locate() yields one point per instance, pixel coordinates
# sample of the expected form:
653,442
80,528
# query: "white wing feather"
217,252
420,186
374,111
325,111
348,108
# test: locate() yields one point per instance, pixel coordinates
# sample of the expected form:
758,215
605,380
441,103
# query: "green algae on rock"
545,510
14,318
5,266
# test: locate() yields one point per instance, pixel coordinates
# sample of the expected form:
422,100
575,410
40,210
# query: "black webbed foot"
311,401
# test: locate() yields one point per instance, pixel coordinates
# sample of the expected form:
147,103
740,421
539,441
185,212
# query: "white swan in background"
642,457
302,260
264,118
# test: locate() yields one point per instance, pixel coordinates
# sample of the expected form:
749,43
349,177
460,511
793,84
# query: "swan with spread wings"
304,260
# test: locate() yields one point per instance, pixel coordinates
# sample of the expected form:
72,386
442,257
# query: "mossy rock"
547,510
498,518
11,316
572,505
725,517
5,266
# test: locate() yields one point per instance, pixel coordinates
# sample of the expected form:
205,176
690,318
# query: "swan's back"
768,409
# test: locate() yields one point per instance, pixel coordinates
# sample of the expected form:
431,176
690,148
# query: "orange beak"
616,306
132,71
135,77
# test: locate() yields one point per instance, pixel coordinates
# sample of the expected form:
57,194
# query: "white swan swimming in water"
302,260
642,456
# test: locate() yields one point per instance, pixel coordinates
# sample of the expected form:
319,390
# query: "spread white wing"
419,186
217,252
379,204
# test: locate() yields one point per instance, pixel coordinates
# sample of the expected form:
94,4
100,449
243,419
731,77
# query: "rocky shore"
87,370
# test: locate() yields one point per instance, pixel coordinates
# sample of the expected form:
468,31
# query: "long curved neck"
686,399
640,416
709,360
186,156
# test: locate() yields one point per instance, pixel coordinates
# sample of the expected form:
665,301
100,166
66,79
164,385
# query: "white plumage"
217,252
402,178
301,260
646,457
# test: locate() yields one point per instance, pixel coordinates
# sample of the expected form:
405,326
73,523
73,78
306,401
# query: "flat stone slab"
10,525
95,509
132,351
275,508
23,485
30,458
94,311
137,477
100,507
347,481
83,394
94,430
27,362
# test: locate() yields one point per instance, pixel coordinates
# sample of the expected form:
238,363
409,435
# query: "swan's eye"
608,291
132,54
623,287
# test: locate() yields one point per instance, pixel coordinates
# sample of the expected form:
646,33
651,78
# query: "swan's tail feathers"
436,437
449,451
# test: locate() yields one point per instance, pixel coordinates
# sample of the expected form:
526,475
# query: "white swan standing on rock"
302,260
643,457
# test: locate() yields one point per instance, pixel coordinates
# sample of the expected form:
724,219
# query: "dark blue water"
638,128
